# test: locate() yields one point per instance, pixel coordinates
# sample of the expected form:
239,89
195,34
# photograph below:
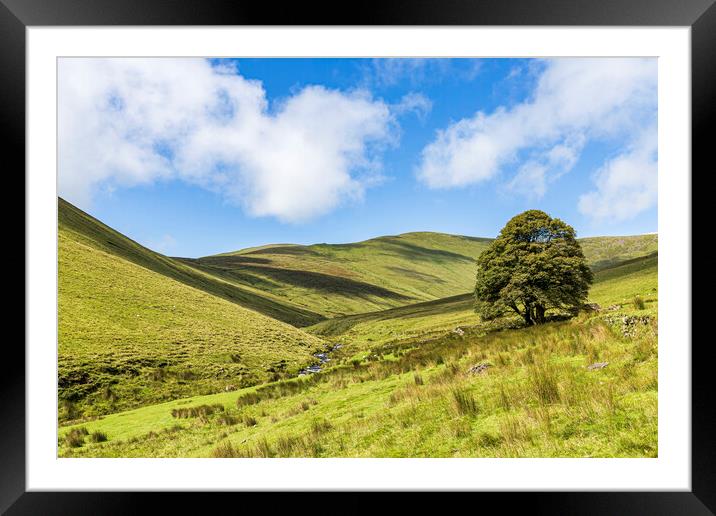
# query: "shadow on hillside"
603,265
417,275
293,250
325,282
232,260
404,249
232,271
415,252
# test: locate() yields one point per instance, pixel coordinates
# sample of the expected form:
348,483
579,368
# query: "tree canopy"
534,265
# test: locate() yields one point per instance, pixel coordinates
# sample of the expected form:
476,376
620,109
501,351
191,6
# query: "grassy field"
401,385
136,328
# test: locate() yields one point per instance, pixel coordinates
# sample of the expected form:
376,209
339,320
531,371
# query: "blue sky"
195,157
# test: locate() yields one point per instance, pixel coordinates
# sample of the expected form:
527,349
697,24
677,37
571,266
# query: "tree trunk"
539,312
528,315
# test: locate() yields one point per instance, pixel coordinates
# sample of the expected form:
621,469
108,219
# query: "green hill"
604,252
338,279
381,273
613,286
620,283
92,232
135,327
399,323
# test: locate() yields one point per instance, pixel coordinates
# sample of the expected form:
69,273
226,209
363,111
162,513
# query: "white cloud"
417,71
390,71
564,156
413,102
125,122
530,180
627,184
545,167
574,100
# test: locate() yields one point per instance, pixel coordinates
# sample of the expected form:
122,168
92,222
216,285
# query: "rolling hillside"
136,328
604,252
339,279
620,283
615,285
420,397
400,323
93,233
381,273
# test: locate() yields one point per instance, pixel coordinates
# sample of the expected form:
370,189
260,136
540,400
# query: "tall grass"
638,303
543,382
199,411
98,437
320,426
464,402
76,437
224,450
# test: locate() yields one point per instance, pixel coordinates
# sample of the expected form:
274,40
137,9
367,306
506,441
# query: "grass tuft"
76,437
464,403
638,303
320,426
250,421
98,437
543,382
224,451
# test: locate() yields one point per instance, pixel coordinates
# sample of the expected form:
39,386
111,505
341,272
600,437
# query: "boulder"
597,365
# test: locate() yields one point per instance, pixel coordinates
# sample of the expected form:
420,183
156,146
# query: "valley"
142,336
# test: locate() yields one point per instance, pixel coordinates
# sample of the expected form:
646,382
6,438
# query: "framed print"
421,249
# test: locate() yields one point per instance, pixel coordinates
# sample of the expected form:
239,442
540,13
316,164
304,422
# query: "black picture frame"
16,15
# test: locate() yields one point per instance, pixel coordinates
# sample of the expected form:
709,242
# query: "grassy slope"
619,285
338,279
415,398
93,233
615,285
399,323
604,252
133,331
381,273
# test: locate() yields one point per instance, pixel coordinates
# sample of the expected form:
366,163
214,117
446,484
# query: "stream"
323,358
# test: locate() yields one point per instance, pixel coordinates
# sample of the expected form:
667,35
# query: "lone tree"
534,265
